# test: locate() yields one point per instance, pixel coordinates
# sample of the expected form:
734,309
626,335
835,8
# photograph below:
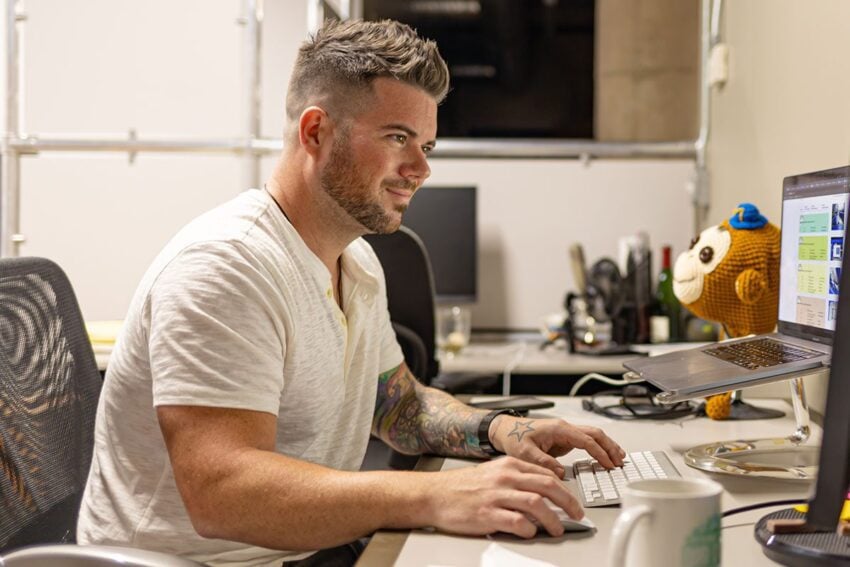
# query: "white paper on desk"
497,556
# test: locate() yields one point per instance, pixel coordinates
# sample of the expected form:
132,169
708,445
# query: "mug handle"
623,529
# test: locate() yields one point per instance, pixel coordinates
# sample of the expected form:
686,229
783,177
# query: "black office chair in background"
49,387
410,296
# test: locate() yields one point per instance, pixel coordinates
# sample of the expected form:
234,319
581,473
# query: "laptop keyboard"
601,487
760,353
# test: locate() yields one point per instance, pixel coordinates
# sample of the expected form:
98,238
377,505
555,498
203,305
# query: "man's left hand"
539,441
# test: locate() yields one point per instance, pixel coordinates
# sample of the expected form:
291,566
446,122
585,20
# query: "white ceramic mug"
671,522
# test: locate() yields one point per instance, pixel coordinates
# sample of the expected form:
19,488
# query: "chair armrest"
415,353
67,555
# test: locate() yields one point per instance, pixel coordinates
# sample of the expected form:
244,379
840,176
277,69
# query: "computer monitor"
833,478
445,220
834,468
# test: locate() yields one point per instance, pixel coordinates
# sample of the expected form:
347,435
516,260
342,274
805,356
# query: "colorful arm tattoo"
415,419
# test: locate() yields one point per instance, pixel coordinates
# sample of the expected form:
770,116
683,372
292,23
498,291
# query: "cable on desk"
595,376
791,502
509,367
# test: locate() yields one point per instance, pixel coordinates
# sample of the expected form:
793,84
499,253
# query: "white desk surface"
423,548
524,356
520,356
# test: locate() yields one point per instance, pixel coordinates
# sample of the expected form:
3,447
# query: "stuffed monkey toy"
730,275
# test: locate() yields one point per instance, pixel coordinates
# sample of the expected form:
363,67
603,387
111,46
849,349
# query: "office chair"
410,297
49,388
63,555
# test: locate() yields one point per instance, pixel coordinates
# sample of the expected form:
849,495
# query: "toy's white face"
702,258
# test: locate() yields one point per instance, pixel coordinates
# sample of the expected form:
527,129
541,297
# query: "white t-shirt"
235,312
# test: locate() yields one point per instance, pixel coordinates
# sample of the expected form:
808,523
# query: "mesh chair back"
410,294
49,386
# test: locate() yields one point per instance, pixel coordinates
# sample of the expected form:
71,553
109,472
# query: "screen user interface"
814,216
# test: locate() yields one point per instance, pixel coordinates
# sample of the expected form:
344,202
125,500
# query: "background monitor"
445,219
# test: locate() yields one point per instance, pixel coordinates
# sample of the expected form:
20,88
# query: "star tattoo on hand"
520,429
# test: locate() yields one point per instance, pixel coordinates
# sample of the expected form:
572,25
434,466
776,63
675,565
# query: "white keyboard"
601,487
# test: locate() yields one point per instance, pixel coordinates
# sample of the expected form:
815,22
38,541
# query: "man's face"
378,159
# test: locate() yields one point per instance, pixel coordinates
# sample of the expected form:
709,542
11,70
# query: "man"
258,355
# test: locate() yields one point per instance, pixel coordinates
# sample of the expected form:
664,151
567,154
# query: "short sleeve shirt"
235,312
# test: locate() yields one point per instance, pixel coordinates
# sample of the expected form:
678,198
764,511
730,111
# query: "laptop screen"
814,213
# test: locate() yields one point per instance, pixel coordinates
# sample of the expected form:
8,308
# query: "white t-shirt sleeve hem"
253,403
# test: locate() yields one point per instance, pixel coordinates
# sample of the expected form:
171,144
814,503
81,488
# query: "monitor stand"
789,458
804,549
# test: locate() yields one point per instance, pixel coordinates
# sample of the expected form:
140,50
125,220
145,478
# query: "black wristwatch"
484,431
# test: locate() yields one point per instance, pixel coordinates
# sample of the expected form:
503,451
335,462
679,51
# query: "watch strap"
484,431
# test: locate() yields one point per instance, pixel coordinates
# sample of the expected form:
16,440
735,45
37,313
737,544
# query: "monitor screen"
445,220
814,208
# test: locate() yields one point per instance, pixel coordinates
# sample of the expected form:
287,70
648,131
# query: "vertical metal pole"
253,83
701,198
315,14
343,9
10,207
801,410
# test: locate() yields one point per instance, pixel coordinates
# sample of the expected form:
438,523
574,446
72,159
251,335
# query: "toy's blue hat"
747,217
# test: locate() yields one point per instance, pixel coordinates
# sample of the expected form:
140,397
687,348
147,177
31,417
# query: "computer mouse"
573,525
575,528
570,524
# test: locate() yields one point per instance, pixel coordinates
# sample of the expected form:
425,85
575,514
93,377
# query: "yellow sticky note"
103,332
845,511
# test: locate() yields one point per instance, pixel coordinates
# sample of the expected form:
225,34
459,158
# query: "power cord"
509,367
792,502
636,401
595,376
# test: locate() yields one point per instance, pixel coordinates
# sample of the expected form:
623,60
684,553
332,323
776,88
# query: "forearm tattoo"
415,419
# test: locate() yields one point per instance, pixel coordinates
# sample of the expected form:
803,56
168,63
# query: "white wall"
173,68
531,211
102,67
786,107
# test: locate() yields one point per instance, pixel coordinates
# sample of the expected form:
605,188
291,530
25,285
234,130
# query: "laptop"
814,209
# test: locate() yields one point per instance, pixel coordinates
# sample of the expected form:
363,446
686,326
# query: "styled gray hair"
337,65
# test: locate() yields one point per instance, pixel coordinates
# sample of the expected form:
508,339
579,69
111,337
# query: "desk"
524,356
520,354
421,548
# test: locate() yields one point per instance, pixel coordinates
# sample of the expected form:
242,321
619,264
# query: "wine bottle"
667,305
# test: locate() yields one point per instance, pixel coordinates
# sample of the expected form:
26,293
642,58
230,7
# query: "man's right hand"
504,495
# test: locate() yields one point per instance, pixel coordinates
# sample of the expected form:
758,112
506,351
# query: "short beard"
340,181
